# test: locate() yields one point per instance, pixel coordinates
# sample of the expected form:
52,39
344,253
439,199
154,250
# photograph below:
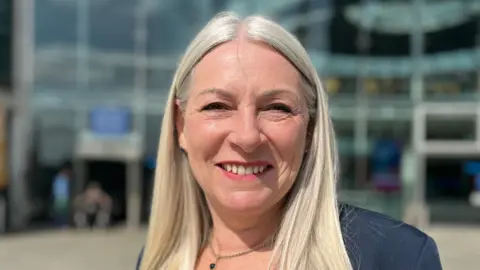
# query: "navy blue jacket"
378,242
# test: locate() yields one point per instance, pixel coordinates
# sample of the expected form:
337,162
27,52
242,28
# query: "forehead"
244,64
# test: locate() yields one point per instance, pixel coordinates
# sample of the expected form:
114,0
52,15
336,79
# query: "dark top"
378,242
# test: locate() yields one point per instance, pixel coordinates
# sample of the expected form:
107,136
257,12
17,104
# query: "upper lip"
246,164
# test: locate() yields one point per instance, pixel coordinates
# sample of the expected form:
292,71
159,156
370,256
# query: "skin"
246,99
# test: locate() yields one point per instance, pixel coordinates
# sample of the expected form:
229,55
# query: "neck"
238,233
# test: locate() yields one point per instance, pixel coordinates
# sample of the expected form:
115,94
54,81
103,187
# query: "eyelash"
279,107
217,106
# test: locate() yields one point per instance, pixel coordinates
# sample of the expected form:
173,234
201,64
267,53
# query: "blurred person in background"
247,166
93,207
61,195
474,197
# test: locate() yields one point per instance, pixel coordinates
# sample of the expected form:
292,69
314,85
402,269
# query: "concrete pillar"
83,48
361,118
477,124
134,194
80,175
134,173
417,45
408,173
361,145
477,39
317,33
21,129
416,211
478,81
80,164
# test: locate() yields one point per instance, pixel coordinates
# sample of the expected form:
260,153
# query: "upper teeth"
242,170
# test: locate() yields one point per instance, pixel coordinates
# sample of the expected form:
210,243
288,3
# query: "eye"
215,106
279,107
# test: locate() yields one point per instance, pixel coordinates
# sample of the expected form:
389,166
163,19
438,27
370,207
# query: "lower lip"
245,177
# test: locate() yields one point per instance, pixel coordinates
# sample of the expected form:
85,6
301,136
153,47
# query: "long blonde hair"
310,235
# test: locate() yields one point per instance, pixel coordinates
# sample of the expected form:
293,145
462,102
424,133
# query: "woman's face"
244,126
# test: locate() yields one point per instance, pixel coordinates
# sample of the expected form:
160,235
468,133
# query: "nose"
246,133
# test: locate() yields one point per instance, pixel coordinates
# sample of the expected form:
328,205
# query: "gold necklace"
219,257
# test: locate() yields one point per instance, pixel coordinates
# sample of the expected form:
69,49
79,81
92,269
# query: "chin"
246,201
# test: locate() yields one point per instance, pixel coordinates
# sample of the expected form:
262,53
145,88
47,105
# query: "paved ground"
71,250
459,246
118,249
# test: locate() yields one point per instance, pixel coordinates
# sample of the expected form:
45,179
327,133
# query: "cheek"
294,151
289,141
197,131
290,138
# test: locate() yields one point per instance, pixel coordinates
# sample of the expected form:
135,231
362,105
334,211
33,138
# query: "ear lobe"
180,124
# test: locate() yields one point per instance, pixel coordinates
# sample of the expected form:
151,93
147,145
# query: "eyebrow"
218,91
277,92
268,93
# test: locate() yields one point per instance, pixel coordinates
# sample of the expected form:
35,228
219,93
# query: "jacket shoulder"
377,241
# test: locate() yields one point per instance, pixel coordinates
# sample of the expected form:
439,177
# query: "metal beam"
444,148
450,109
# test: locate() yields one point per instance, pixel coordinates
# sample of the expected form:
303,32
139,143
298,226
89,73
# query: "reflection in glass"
345,136
345,31
453,38
386,138
55,46
159,80
447,180
348,85
152,133
450,128
448,187
453,85
332,86
386,86
5,42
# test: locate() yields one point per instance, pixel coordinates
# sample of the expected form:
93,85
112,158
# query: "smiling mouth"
245,170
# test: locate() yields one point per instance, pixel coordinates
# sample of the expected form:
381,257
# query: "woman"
246,171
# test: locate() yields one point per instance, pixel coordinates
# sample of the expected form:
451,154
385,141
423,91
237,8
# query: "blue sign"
110,121
471,167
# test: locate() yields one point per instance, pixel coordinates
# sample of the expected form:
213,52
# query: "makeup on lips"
244,170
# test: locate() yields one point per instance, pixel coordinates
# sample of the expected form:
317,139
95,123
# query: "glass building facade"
5,43
398,73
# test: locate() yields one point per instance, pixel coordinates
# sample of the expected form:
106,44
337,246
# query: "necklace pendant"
213,265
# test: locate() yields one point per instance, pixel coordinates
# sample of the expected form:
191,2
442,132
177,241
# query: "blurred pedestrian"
93,207
61,195
475,194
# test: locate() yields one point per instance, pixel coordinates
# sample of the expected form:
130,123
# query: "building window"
6,9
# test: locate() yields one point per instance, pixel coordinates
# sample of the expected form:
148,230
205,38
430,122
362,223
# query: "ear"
180,124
